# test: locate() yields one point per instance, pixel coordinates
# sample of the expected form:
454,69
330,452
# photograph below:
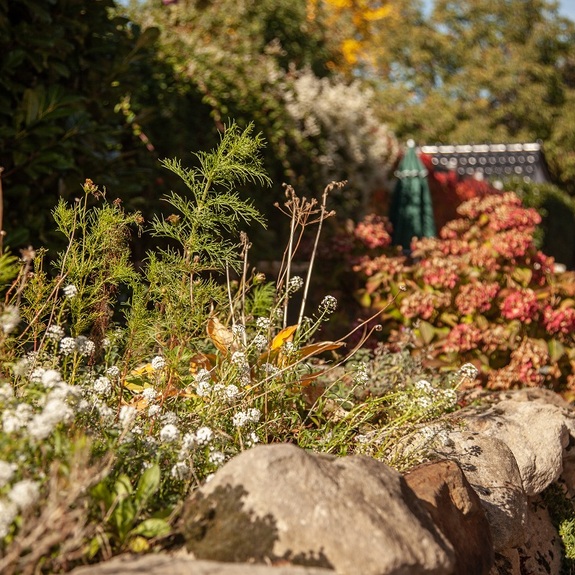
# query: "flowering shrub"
480,292
111,413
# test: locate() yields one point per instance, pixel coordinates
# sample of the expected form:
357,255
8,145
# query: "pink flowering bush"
480,292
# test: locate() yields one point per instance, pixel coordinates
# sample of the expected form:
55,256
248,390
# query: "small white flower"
361,376
154,410
216,458
55,332
180,470
6,472
203,382
85,346
24,493
70,291
328,304
149,394
254,414
8,512
238,330
252,439
239,358
43,424
158,363
169,433
295,284
469,370
127,415
10,318
169,417
450,397
425,386
231,392
106,342
14,420
203,435
113,371
6,392
260,341
67,346
36,374
102,386
270,369
289,347
263,323
50,378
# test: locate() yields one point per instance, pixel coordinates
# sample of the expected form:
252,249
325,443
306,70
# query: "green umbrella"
411,212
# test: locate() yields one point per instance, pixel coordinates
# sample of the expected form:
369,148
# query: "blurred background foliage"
103,90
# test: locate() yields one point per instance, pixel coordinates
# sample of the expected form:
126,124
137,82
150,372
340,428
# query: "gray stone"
351,514
536,432
540,554
492,471
185,564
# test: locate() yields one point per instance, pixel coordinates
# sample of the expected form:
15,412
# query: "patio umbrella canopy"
411,212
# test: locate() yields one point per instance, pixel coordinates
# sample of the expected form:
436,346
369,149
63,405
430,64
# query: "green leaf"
427,332
123,487
152,527
100,492
148,484
123,518
556,350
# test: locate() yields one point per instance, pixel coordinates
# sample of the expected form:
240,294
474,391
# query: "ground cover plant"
480,292
124,387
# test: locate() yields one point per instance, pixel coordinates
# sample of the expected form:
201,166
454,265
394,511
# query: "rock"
536,432
351,514
492,471
456,509
168,564
541,553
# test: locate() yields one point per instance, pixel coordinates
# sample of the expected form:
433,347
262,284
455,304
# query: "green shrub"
555,235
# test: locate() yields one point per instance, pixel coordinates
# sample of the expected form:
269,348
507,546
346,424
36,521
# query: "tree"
77,83
482,70
273,64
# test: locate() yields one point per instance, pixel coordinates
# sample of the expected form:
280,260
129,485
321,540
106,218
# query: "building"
491,161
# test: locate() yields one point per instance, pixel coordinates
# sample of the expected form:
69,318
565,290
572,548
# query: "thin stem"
323,215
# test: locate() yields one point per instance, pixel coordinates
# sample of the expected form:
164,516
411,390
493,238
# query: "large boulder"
456,509
354,515
491,469
185,564
536,432
540,554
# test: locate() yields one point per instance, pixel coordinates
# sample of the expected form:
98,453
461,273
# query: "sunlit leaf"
283,336
556,350
220,335
427,332
315,348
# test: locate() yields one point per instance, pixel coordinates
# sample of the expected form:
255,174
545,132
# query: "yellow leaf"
284,335
377,13
220,335
146,369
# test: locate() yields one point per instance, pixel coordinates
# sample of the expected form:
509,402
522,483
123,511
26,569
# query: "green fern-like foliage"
183,280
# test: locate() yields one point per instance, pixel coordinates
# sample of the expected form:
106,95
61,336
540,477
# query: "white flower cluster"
9,319
295,284
353,138
23,495
328,304
243,418
81,345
